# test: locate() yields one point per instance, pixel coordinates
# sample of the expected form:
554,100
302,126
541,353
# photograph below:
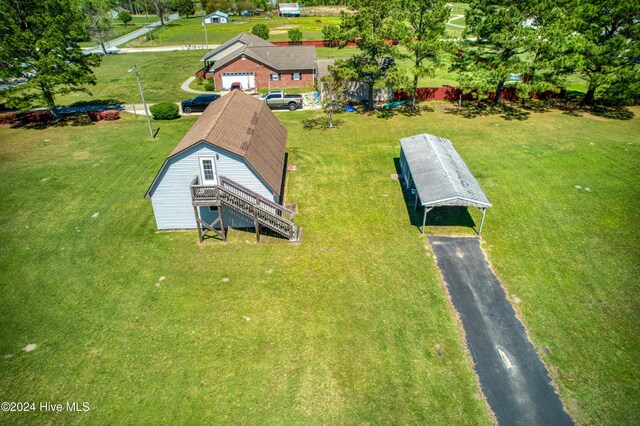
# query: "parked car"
279,99
198,104
235,86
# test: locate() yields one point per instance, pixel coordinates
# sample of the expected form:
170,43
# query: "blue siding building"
227,171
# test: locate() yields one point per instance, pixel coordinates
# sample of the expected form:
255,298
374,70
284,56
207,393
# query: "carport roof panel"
440,175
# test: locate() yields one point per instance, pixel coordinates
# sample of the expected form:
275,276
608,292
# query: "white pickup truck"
279,99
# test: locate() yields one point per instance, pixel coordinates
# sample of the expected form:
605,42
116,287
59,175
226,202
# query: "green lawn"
161,74
190,31
119,29
340,329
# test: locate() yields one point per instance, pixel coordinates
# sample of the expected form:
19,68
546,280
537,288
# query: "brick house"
256,63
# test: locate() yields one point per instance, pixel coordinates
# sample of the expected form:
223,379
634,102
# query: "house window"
295,76
275,77
207,167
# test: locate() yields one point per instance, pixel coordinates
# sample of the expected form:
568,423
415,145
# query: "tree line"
530,45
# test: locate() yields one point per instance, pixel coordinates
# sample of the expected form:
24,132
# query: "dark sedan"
198,104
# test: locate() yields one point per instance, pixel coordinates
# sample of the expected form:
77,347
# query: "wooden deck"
263,211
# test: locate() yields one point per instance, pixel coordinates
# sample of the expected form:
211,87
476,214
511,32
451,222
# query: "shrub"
8,117
125,17
94,115
209,86
295,35
199,80
110,115
260,30
165,111
35,117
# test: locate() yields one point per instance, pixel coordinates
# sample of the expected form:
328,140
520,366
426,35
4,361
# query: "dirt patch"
82,155
286,27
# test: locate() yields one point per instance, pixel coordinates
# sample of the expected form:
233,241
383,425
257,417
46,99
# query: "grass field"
189,31
161,75
152,327
118,29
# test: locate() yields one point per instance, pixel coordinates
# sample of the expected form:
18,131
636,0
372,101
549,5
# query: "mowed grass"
188,31
161,74
152,327
340,329
118,29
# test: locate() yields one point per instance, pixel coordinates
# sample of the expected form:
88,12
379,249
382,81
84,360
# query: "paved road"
513,378
111,44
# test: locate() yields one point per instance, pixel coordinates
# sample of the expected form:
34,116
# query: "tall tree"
161,8
38,44
602,46
218,5
334,88
423,37
185,7
98,20
371,25
498,44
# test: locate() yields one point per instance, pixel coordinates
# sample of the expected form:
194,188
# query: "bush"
199,80
125,17
165,111
110,115
8,117
82,120
209,86
35,117
94,115
260,30
295,35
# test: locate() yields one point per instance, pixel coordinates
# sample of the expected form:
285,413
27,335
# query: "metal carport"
432,166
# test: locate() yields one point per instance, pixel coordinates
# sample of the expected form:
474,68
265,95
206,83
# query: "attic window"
244,57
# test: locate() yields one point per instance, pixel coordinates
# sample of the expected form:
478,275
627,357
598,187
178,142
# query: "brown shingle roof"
280,58
244,126
247,39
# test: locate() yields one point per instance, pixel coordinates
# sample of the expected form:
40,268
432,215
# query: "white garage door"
247,79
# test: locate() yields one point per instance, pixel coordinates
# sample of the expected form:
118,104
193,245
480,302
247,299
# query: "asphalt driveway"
513,379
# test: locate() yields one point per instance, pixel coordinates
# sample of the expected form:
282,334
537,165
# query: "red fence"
321,43
448,93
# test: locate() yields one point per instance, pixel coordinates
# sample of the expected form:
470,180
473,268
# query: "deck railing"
244,200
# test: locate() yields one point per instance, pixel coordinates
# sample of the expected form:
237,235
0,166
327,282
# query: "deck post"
257,224
484,211
195,212
224,233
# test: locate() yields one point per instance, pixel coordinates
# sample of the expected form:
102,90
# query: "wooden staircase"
263,211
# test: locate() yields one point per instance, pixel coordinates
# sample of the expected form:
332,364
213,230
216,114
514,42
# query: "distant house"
216,18
289,9
254,62
227,171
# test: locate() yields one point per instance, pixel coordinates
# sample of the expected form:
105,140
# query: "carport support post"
484,211
424,218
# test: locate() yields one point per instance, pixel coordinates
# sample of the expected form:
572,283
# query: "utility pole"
206,40
146,111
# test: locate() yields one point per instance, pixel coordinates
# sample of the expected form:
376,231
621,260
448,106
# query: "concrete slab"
513,379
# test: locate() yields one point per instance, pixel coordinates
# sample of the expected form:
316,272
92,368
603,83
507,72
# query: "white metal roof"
440,175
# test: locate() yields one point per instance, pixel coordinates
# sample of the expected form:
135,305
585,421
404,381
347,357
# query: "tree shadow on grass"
487,108
439,216
96,103
612,112
386,113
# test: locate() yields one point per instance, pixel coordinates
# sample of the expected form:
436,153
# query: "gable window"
208,170
295,76
275,77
